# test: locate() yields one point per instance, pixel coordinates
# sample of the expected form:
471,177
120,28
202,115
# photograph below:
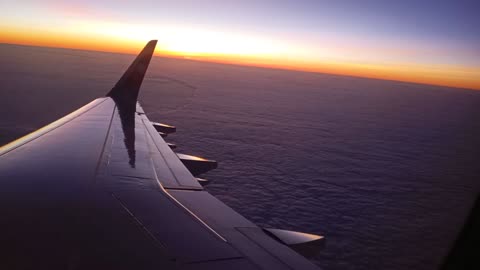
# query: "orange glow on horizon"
266,55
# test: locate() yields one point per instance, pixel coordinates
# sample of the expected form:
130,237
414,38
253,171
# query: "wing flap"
169,169
245,236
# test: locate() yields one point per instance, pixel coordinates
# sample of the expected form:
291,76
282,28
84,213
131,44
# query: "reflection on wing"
125,94
127,118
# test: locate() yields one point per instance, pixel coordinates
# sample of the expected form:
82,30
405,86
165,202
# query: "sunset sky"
435,42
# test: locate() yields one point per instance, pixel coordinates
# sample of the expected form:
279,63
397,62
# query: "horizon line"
179,56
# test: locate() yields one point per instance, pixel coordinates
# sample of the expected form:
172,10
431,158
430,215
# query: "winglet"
127,88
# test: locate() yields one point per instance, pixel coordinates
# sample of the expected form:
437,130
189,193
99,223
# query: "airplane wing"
101,189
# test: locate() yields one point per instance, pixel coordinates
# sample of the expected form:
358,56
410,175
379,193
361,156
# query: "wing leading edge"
100,188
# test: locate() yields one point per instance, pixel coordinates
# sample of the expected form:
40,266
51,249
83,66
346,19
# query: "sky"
429,41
